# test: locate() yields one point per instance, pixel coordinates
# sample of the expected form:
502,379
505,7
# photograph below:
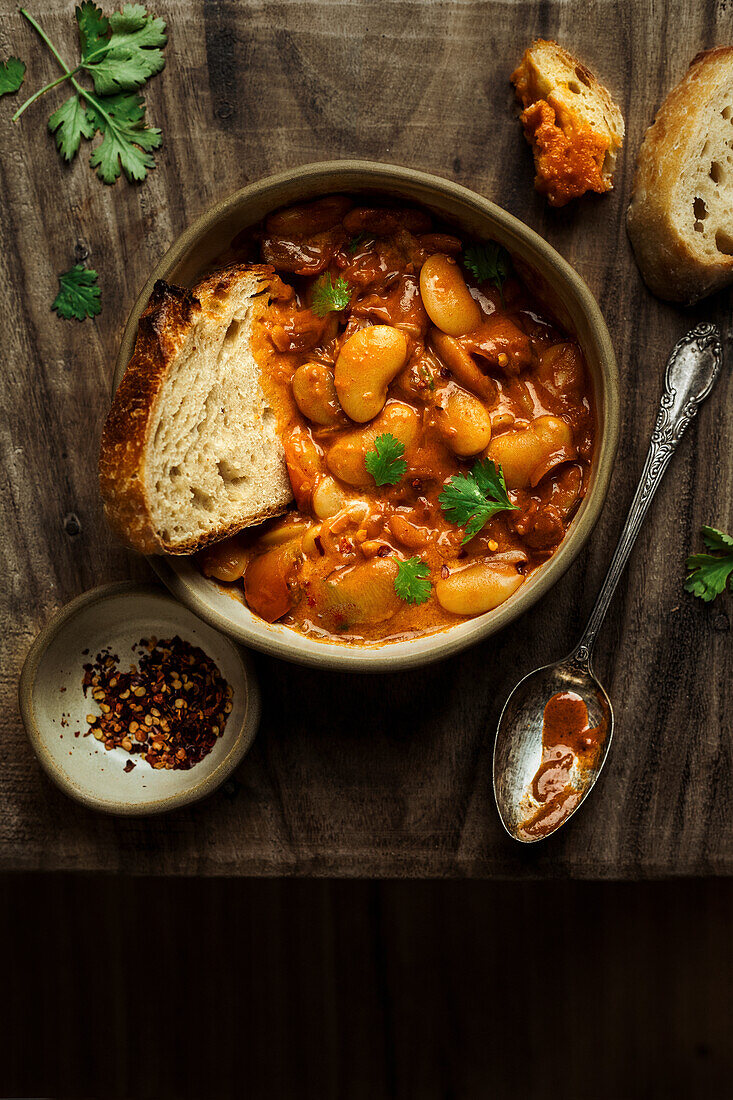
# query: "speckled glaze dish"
53,705
555,283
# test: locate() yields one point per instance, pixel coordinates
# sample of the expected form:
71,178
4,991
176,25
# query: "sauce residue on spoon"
570,746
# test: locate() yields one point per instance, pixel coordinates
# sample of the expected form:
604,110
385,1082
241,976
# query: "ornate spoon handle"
692,369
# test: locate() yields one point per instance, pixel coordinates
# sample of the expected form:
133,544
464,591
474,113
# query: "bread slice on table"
190,451
680,219
570,120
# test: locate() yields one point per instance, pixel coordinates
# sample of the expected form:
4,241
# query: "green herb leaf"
355,242
12,72
490,263
93,28
470,500
71,123
122,52
329,296
127,143
717,540
708,575
412,582
426,374
119,52
78,294
385,463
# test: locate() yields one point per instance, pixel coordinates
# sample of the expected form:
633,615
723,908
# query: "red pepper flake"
128,766
171,709
444,571
319,545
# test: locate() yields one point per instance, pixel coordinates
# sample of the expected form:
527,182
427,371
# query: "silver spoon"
692,369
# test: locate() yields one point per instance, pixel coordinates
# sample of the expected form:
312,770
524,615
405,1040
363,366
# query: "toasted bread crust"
163,327
669,265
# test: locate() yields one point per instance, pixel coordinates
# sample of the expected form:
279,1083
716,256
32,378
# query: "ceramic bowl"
54,707
560,288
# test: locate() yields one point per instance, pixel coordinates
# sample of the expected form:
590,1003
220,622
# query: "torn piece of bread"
190,451
570,120
680,219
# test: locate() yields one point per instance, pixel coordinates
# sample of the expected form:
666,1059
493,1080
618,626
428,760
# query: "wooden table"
352,775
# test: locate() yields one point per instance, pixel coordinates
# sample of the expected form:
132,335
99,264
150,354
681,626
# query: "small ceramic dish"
54,707
560,289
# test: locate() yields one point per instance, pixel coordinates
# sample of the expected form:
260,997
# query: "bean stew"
438,425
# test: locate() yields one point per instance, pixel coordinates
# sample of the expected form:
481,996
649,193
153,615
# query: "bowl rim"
393,656
193,792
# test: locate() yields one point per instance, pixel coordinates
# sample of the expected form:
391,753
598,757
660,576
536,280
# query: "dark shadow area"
363,990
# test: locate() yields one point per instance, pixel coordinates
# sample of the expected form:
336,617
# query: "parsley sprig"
412,582
708,575
470,500
385,463
330,296
490,263
120,53
12,72
78,295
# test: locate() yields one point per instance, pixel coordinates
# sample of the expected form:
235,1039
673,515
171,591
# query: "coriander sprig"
489,263
330,296
709,575
12,73
78,296
385,463
354,243
120,53
412,583
470,500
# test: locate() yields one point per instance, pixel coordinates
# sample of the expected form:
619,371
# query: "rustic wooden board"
356,775
321,990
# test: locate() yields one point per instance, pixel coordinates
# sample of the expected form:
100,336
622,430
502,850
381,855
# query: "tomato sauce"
567,167
570,746
457,366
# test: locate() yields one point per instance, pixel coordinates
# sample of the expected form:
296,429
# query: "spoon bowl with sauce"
541,777
556,727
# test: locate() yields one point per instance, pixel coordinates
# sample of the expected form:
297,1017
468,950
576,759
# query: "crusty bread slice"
680,219
190,451
576,141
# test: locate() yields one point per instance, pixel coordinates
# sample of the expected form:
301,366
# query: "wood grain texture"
355,775
318,990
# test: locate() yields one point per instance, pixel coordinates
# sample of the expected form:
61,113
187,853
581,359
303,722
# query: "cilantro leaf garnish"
93,28
330,296
385,463
425,374
470,500
708,575
122,52
355,242
70,123
12,72
412,582
119,52
127,143
78,295
489,262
